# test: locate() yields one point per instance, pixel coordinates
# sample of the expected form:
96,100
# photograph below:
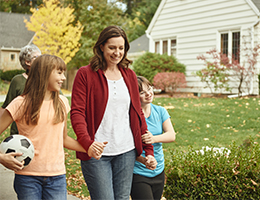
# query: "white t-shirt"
115,125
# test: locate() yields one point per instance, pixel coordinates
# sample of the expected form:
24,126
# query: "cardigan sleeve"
135,98
78,109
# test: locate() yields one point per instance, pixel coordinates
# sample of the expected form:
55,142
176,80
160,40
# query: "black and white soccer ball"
19,144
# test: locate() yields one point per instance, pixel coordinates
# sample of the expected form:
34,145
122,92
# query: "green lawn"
197,121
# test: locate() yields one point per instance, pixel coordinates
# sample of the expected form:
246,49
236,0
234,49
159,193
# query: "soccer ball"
19,144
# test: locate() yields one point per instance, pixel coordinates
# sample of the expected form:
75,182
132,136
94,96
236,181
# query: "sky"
120,5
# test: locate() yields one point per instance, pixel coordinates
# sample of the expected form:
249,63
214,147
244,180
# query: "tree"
54,31
18,6
141,12
95,15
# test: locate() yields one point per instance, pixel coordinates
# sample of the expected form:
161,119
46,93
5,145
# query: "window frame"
230,41
159,46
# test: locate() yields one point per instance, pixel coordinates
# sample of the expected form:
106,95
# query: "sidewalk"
2,98
6,180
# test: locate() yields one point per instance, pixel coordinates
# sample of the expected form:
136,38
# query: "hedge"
193,175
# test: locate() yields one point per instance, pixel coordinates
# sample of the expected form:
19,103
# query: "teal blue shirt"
154,124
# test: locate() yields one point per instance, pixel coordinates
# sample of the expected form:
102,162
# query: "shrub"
215,75
194,175
149,64
170,81
8,75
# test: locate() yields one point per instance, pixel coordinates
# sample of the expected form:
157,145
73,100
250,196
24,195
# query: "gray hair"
26,54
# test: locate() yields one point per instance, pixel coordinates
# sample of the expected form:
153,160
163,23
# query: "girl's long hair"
36,87
98,61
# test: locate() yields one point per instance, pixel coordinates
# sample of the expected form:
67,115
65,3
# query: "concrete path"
2,98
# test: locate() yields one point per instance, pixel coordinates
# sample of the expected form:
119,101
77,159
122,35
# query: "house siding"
196,24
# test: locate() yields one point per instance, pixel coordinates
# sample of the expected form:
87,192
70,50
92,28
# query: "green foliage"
141,13
149,64
4,85
192,175
18,6
95,15
8,75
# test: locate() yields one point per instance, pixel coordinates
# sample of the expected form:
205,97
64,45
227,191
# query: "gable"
140,44
13,33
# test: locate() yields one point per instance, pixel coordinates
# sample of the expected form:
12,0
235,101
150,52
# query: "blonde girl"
41,115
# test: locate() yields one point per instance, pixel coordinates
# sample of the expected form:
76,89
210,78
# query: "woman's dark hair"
98,61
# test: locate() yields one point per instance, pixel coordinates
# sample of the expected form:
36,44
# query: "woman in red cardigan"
107,118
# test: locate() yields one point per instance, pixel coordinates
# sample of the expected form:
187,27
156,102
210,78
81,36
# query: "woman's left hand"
151,162
148,138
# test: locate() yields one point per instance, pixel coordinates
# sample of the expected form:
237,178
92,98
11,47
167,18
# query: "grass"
4,85
197,121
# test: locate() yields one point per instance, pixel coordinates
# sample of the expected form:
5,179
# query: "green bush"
149,64
8,75
192,175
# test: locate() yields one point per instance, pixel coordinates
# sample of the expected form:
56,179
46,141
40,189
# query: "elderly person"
26,57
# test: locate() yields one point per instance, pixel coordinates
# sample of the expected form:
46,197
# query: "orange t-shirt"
46,137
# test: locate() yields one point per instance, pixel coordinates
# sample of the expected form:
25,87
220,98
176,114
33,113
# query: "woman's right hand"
8,160
96,149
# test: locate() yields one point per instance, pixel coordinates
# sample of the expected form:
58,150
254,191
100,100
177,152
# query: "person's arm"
167,137
95,150
149,161
8,160
1,111
78,109
70,143
5,119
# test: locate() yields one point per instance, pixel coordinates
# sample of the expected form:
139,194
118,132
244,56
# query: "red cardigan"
88,103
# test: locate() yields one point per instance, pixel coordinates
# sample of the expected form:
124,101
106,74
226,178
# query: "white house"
188,28
13,36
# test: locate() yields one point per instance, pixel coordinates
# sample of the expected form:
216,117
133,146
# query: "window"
157,47
224,43
173,47
167,46
230,44
236,46
12,57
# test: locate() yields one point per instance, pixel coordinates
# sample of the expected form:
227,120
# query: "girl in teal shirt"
149,184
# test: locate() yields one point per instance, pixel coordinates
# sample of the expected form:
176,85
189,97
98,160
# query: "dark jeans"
147,187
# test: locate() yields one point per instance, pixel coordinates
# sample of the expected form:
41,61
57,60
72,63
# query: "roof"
140,44
257,3
13,32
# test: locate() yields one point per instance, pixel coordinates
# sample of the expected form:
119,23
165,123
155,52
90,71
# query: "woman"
41,115
107,118
149,184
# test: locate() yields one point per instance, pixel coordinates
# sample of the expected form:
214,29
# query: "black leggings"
147,188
